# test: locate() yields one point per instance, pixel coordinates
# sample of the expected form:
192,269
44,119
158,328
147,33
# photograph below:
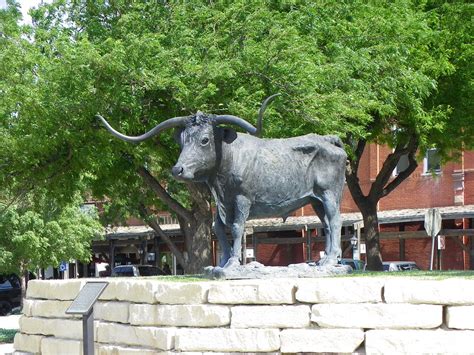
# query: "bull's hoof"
232,263
218,273
214,272
327,261
232,269
224,260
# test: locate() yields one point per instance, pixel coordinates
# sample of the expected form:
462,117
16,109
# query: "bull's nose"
177,170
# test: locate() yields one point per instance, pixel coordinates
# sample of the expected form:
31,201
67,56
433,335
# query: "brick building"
448,187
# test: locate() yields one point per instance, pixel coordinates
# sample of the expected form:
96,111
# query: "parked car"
400,266
10,293
356,265
136,270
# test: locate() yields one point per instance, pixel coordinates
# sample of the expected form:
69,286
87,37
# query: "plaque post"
83,304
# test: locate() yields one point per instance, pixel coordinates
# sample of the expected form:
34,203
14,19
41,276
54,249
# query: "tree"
36,230
37,234
387,63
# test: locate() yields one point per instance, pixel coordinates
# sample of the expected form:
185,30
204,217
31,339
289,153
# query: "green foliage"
36,235
456,89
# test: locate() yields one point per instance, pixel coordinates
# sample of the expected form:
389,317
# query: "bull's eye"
204,141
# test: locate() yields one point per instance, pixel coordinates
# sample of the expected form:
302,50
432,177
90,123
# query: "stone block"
460,317
419,341
182,292
340,290
54,346
47,308
286,316
321,340
446,292
27,343
227,340
54,289
61,328
277,291
125,350
27,307
180,315
130,290
112,311
377,315
151,337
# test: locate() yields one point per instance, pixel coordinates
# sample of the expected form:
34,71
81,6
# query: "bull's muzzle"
177,170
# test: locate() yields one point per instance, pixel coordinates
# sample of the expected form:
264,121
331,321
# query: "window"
402,165
432,162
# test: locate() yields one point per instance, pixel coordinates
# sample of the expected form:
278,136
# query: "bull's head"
200,138
200,142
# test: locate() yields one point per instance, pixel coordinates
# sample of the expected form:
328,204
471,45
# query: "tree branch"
174,205
412,165
152,221
358,153
353,182
380,188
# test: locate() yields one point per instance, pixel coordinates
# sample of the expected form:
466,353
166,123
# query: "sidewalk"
6,349
9,322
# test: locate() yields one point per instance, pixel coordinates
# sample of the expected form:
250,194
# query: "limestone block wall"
340,314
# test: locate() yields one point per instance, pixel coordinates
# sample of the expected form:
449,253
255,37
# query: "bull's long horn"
261,112
172,122
237,121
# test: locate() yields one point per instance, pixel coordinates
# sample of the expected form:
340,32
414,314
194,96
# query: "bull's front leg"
241,213
219,229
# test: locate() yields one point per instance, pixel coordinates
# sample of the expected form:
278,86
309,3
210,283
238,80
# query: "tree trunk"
24,279
380,187
198,253
195,223
197,233
372,235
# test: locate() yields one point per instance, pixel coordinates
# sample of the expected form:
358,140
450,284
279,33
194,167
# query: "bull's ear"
228,135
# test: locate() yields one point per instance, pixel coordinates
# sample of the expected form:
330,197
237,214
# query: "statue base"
256,270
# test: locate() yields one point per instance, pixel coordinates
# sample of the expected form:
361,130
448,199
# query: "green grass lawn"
7,335
421,274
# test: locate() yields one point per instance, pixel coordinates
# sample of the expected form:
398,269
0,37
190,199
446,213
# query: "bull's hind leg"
331,207
319,209
328,209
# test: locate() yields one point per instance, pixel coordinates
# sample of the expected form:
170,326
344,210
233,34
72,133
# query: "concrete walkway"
9,322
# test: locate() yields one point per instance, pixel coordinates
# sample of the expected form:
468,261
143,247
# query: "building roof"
311,222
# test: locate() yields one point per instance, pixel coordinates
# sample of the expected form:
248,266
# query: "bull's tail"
335,140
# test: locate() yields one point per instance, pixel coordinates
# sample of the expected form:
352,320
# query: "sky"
25,6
